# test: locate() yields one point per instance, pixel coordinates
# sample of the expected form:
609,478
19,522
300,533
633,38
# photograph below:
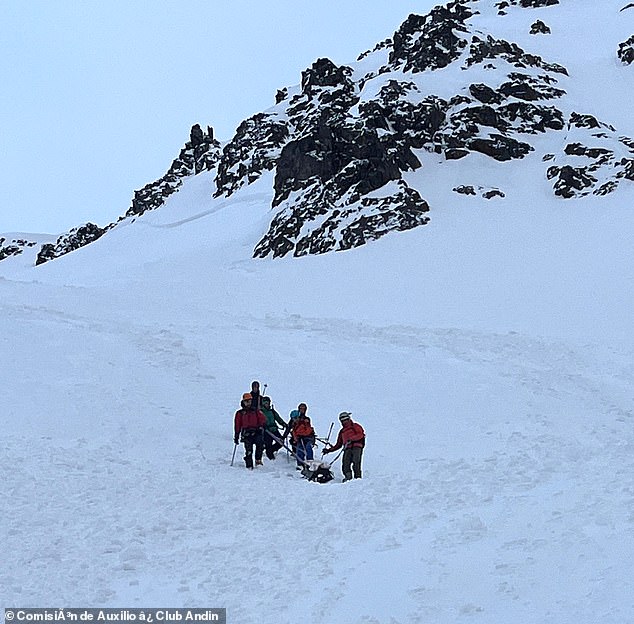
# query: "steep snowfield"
489,355
498,468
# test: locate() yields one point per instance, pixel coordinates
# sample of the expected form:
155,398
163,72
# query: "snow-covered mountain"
469,79
474,174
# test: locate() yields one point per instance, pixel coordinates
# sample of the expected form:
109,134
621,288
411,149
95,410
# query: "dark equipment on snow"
317,471
312,470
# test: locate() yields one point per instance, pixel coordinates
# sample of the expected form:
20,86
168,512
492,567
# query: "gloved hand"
235,440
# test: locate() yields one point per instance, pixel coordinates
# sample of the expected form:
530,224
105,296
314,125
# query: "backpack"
302,428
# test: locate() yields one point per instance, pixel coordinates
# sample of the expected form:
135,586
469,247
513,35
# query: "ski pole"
337,456
332,424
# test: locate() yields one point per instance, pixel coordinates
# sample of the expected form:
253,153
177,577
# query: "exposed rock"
339,225
346,156
425,42
485,94
607,159
9,250
324,73
14,247
500,147
490,48
454,153
583,121
530,88
599,154
530,118
627,169
201,153
465,190
76,238
534,4
526,4
327,95
490,194
626,51
254,149
480,191
539,28
570,179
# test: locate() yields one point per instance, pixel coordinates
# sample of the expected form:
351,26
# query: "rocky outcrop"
318,220
432,41
254,149
340,146
491,49
13,247
595,162
479,191
76,238
335,151
526,4
201,153
626,51
539,28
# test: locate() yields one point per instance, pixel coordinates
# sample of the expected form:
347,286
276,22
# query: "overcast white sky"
99,97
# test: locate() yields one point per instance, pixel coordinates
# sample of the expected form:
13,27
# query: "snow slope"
489,355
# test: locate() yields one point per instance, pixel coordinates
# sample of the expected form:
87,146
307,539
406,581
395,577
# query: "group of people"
257,425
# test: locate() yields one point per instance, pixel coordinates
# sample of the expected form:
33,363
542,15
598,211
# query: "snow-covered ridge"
471,77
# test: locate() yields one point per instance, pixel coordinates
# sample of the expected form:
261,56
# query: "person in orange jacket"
302,435
249,425
352,438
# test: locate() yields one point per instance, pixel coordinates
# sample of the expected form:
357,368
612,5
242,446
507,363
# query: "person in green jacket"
271,446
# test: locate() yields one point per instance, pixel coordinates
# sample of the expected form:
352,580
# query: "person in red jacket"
249,424
352,438
303,436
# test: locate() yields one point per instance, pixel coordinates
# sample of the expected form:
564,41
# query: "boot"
258,462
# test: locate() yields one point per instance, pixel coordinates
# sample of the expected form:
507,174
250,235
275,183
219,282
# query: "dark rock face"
76,238
490,48
13,247
501,147
528,118
584,121
485,94
9,250
430,41
539,28
334,153
340,145
480,191
254,149
626,51
345,156
526,4
339,225
570,181
201,153
491,193
465,190
595,166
